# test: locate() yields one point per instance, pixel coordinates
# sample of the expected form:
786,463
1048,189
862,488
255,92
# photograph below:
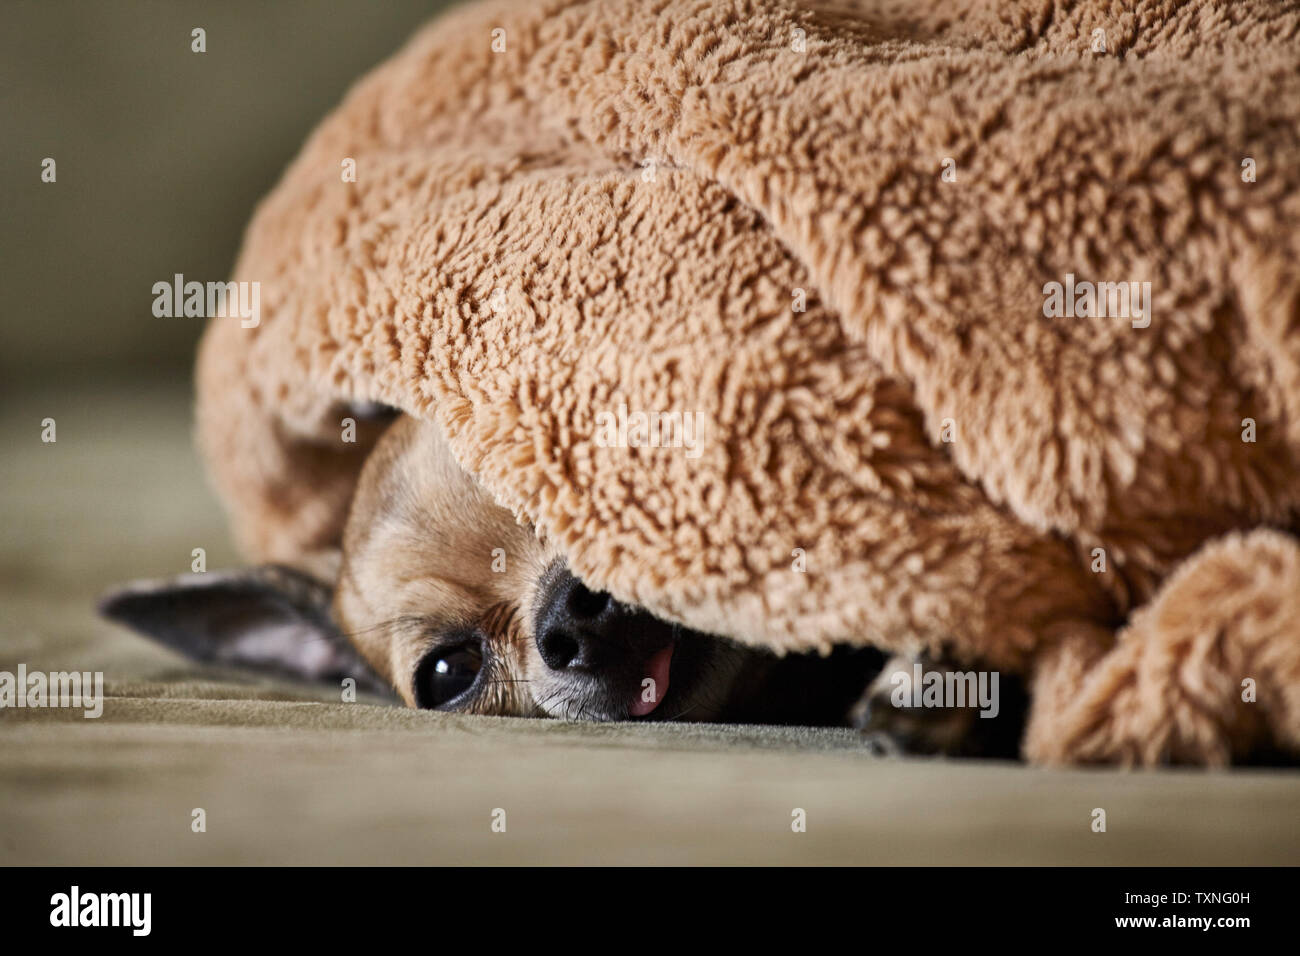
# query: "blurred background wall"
161,154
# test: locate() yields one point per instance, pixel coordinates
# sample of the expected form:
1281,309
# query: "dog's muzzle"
597,643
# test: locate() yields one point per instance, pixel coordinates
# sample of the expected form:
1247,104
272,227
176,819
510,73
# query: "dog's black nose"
577,627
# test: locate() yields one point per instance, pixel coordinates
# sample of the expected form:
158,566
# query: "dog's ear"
271,618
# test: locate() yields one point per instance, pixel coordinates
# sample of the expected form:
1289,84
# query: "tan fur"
778,170
1174,687
418,558
426,549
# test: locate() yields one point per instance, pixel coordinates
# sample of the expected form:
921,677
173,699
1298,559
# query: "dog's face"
460,606
443,596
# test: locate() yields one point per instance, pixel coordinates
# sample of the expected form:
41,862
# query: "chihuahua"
443,597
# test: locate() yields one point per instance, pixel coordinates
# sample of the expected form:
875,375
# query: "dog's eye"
446,673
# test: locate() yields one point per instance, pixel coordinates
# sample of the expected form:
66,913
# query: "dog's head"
443,596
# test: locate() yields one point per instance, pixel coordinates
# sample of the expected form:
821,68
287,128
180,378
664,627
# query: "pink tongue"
656,669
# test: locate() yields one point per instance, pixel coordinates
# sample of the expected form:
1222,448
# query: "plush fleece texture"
740,210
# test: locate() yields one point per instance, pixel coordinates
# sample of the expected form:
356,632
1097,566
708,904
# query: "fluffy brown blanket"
985,311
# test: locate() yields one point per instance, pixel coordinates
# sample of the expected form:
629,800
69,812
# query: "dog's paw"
896,720
881,744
